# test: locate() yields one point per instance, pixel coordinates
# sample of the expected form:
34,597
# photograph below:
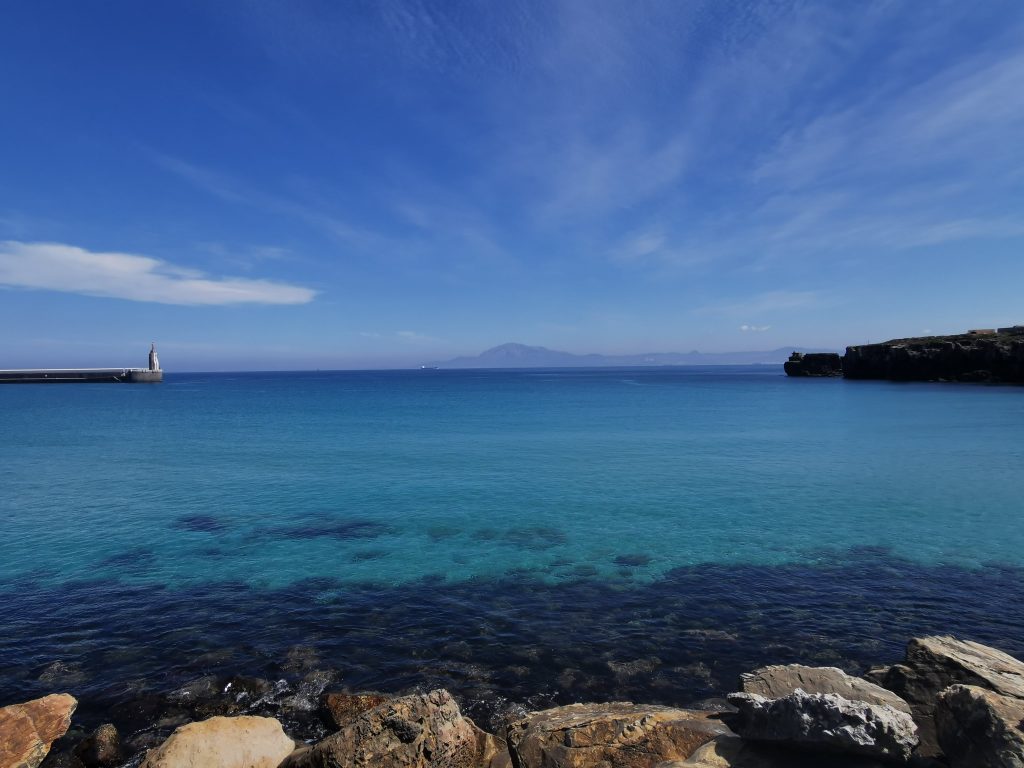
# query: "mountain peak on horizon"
516,355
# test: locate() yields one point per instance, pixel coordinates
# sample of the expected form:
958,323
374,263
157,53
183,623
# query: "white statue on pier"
154,361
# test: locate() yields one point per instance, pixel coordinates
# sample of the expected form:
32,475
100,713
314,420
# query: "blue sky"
303,184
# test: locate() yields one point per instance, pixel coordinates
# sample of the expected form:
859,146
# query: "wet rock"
101,749
419,731
27,730
777,681
301,658
248,690
225,742
932,664
825,722
616,735
625,670
63,759
307,692
63,674
976,727
339,709
201,688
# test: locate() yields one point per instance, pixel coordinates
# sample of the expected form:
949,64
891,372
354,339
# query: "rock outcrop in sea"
948,704
814,364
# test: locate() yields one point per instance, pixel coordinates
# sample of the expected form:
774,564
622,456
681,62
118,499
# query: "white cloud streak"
69,269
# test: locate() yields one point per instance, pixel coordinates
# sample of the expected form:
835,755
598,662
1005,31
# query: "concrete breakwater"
949,703
995,356
151,375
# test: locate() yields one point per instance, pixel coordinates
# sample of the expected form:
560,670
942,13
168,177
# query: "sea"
523,538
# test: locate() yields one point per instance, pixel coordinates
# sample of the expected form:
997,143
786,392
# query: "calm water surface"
569,534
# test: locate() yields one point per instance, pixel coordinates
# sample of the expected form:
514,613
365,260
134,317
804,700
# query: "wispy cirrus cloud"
70,269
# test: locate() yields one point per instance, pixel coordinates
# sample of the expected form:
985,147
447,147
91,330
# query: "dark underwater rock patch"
365,555
131,562
633,561
200,524
536,537
343,530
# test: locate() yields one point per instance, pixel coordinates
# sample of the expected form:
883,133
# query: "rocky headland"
985,357
993,356
948,703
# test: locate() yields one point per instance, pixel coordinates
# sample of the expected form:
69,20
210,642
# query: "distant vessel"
150,375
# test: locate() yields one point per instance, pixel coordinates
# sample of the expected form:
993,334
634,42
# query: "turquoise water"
391,477
523,538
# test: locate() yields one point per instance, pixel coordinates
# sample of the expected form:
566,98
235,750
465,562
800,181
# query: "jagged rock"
27,730
980,729
777,681
616,735
734,752
419,731
101,749
225,742
825,722
932,664
339,709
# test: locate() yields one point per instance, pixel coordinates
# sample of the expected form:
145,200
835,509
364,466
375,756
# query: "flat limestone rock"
978,728
825,722
777,681
932,664
734,752
27,730
225,742
938,662
419,731
616,735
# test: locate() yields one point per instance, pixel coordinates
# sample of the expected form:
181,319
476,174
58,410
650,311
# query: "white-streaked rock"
825,722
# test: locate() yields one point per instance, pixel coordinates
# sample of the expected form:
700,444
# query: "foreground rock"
339,709
825,722
618,735
777,681
932,664
978,728
420,731
225,742
734,752
27,730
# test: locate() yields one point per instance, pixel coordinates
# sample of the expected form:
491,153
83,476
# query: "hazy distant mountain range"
523,356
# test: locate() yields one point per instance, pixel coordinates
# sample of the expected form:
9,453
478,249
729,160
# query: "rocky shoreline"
949,702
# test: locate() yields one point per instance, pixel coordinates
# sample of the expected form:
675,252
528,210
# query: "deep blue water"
641,533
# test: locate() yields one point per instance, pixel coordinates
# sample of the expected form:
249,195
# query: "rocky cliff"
995,357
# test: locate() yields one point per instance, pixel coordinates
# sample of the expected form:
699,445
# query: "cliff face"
995,357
